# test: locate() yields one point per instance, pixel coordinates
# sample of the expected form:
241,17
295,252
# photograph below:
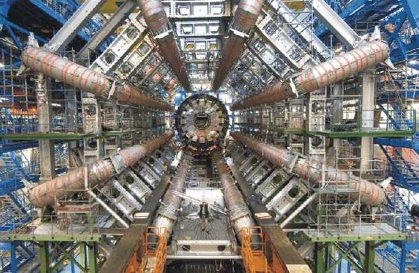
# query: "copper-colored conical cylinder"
157,21
244,20
100,171
332,71
167,213
87,79
239,213
311,170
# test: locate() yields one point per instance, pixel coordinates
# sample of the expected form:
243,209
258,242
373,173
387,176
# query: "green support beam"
369,264
83,260
92,259
44,257
346,134
320,257
73,136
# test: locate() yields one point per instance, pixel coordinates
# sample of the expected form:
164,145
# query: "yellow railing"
253,247
155,250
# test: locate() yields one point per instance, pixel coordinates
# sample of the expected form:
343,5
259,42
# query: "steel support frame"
368,107
46,147
87,253
336,24
287,254
326,261
70,29
117,18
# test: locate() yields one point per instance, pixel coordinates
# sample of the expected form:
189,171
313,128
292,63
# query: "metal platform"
359,232
38,231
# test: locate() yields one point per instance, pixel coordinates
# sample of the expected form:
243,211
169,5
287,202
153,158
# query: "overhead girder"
77,21
111,25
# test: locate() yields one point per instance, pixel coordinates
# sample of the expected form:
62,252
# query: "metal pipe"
158,23
97,172
108,209
299,209
321,75
312,171
239,213
244,20
167,213
86,79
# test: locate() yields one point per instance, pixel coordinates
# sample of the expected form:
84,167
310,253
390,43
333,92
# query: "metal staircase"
404,173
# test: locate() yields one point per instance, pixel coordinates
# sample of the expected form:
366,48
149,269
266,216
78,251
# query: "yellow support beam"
110,6
295,4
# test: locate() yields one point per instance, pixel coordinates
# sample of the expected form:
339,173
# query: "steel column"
319,257
44,256
92,257
13,260
369,265
46,147
83,260
368,107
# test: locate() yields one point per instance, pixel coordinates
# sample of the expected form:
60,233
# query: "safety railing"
341,221
354,120
253,250
155,241
69,225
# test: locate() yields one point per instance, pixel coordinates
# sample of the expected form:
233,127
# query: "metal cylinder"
167,213
100,171
321,75
311,171
157,21
244,20
239,212
87,79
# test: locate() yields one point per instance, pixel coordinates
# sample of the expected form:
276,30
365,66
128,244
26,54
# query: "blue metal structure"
16,171
399,21
392,16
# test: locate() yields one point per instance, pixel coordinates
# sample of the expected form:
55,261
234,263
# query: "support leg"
403,255
92,257
319,257
13,261
44,257
83,261
369,257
